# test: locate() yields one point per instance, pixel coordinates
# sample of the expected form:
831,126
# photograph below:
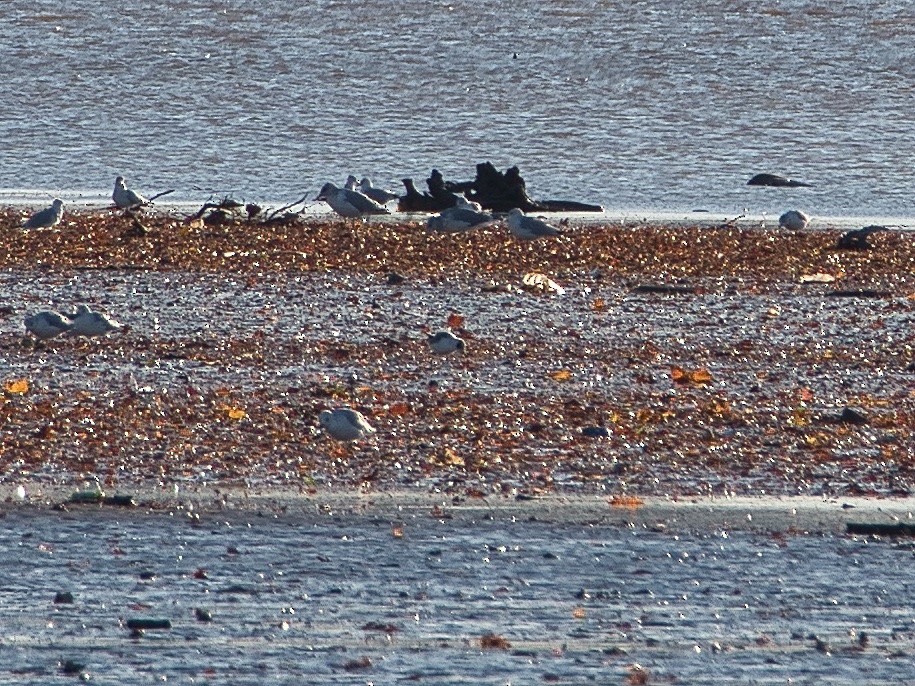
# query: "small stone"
63,598
852,416
595,432
395,279
203,615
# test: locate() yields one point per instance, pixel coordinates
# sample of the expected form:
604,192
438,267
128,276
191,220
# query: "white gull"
351,204
529,228
345,424
124,198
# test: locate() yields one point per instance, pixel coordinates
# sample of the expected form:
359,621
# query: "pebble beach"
620,359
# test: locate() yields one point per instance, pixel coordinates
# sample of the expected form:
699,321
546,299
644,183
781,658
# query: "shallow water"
292,592
645,105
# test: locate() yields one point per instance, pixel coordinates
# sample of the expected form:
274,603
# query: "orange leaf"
598,305
398,409
578,613
560,375
455,321
235,412
17,386
627,501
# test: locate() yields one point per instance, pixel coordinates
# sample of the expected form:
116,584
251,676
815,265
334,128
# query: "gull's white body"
529,228
345,424
124,198
350,204
445,342
47,324
458,218
89,323
379,195
794,220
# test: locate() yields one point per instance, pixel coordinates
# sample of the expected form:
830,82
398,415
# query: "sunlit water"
306,595
642,105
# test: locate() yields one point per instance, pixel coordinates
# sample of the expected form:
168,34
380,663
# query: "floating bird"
46,218
89,323
124,198
350,204
345,424
458,218
529,228
444,342
794,220
379,195
775,180
857,239
47,324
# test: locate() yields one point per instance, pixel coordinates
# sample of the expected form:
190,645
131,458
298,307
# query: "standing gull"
89,323
350,204
794,220
46,218
379,195
124,198
47,324
345,424
529,228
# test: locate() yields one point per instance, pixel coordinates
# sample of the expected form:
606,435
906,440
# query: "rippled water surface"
313,595
648,105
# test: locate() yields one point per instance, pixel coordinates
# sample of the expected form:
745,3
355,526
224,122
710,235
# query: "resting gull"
458,218
47,324
445,342
124,198
794,220
351,183
379,195
528,228
345,424
46,218
89,323
351,204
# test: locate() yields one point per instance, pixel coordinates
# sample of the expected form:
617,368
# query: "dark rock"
857,239
203,615
395,279
595,431
776,181
852,416
63,598
662,288
149,623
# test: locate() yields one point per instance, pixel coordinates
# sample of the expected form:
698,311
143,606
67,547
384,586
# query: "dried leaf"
693,376
17,386
598,305
235,412
560,375
626,501
398,409
578,613
455,321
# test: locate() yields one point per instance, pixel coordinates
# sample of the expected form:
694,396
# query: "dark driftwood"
491,188
775,180
864,528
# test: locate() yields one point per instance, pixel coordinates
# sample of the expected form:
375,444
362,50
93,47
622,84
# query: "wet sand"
717,360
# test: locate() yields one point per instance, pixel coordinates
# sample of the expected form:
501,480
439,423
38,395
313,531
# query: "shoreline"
93,203
796,515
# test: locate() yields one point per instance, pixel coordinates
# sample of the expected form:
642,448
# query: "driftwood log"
491,188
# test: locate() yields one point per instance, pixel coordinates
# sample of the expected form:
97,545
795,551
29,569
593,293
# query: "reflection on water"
655,105
323,596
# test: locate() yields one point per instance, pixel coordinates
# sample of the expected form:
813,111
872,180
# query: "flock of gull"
354,200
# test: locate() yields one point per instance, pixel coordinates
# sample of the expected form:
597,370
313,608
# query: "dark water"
646,105
300,596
